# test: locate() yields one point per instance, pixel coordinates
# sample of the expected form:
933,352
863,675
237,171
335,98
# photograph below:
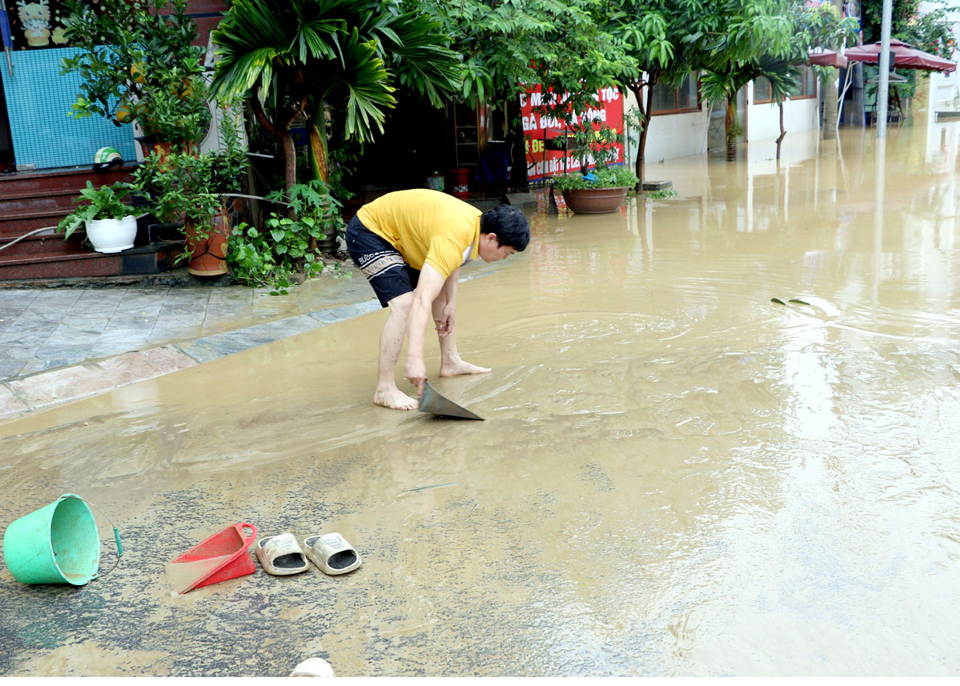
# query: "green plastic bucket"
57,544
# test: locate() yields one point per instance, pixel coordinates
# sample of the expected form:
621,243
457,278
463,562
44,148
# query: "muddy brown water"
677,476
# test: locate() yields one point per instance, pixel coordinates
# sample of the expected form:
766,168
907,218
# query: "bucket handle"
116,535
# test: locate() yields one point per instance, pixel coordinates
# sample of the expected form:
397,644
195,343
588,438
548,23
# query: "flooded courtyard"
677,475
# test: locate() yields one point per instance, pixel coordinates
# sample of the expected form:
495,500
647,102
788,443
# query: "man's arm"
428,288
449,297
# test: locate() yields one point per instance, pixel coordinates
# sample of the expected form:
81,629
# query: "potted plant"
190,187
111,225
604,189
179,187
138,62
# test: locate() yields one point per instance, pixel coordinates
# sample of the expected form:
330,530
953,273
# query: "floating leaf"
420,488
778,301
798,301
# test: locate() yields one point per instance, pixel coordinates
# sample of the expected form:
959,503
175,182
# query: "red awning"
905,56
827,58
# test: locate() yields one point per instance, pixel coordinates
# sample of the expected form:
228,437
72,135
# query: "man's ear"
493,236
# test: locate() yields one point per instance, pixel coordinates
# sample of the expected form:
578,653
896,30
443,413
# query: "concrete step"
15,205
149,259
61,179
45,243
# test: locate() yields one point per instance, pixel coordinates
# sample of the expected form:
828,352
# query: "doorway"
6,142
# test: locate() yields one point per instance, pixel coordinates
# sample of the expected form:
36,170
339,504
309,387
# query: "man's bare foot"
395,399
458,367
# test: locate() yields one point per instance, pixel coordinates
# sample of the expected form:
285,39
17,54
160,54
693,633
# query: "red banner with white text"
540,129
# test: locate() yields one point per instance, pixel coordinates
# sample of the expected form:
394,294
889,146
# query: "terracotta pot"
595,200
208,253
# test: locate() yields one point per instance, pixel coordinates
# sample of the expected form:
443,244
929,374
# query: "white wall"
670,135
943,87
763,121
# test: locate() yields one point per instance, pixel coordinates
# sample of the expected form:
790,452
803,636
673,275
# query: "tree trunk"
282,131
783,131
830,106
644,127
730,124
318,152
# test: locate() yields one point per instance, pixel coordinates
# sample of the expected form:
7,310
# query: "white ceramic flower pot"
112,235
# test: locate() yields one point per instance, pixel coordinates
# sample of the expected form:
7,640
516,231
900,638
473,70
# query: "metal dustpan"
434,403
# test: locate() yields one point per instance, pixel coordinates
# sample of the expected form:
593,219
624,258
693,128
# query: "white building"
684,124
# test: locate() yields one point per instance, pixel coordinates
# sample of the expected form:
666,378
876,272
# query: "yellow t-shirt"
426,227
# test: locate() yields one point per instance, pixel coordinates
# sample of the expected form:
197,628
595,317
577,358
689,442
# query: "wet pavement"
60,344
677,475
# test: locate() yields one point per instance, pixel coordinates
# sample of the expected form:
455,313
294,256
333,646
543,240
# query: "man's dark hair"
509,224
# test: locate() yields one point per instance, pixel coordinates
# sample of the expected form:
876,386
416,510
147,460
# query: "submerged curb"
58,386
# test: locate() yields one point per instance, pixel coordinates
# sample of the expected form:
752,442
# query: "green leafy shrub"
599,147
665,193
609,177
269,257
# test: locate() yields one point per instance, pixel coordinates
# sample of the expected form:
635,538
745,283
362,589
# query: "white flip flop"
313,666
281,555
332,553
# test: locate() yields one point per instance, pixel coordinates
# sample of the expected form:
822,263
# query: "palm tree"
294,56
721,84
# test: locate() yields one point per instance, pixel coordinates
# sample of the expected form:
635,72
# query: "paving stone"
131,321
84,323
64,299
82,380
18,351
18,338
220,345
54,360
141,309
180,310
10,367
69,337
119,341
17,299
178,333
348,311
93,308
10,403
236,294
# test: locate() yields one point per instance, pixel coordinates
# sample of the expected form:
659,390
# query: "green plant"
269,257
300,53
665,193
137,61
179,186
105,202
596,146
176,112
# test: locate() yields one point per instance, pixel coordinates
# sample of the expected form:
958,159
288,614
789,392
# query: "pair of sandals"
281,555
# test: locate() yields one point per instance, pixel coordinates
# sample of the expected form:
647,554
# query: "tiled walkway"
44,329
69,343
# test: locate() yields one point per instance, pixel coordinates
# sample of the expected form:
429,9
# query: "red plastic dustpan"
225,554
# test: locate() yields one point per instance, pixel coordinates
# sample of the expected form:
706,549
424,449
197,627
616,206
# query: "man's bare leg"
450,362
391,343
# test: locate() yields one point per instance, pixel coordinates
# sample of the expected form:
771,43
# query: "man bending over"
410,246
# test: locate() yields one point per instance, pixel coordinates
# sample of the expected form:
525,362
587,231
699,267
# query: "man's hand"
448,318
416,373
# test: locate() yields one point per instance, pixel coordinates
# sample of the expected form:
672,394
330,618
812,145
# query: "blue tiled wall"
38,106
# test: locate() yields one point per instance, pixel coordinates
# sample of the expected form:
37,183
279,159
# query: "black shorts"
380,262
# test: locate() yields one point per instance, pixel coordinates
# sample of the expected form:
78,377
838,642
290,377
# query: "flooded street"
677,475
